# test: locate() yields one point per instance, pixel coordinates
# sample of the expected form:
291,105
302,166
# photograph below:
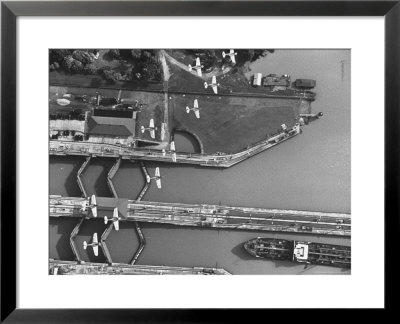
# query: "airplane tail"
190,67
84,245
105,220
187,109
142,129
223,54
148,179
205,85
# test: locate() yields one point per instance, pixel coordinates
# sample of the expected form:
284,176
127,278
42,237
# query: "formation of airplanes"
197,67
91,204
214,85
157,178
195,108
172,151
95,244
115,219
151,128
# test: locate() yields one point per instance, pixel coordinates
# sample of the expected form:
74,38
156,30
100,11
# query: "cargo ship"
303,252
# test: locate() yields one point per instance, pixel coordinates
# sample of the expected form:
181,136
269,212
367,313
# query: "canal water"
309,172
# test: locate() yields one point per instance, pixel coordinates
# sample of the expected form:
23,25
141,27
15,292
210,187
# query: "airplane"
213,84
197,67
173,151
195,108
151,128
231,54
115,219
90,203
95,244
157,177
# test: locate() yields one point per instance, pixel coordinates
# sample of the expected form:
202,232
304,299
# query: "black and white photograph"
199,161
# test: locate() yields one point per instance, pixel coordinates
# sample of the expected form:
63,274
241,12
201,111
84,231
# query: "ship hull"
317,253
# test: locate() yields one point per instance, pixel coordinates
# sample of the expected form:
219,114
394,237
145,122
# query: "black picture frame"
11,10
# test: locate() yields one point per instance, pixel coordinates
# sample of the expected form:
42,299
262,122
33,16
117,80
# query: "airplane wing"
162,131
95,238
94,211
197,113
157,172
116,225
198,62
231,51
172,146
93,200
233,59
174,157
152,122
152,133
158,181
214,80
163,152
96,250
196,103
115,213
215,89
199,72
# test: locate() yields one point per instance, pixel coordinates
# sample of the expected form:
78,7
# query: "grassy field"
229,124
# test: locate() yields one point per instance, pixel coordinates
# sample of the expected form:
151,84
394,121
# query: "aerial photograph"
199,161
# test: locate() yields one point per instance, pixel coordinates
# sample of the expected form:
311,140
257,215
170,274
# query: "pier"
222,160
111,175
57,267
217,216
72,240
79,179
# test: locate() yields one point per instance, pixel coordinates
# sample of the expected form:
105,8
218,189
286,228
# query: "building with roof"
112,130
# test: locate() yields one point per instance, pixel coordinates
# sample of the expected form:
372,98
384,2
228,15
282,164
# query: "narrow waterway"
309,172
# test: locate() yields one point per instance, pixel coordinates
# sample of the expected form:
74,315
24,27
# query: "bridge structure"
216,216
58,267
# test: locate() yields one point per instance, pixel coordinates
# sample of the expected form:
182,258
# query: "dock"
58,267
215,216
221,160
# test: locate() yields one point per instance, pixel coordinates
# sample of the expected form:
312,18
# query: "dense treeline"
131,65
213,57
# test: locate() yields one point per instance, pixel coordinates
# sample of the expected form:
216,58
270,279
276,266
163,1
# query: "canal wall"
74,233
142,243
79,176
103,245
111,175
221,160
61,267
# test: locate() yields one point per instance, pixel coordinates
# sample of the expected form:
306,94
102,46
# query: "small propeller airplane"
231,55
95,244
213,84
90,203
172,151
157,177
197,67
115,219
151,129
195,108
